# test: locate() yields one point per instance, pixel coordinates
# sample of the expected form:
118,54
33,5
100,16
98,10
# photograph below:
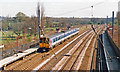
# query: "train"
51,41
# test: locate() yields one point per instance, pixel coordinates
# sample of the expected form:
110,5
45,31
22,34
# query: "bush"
29,39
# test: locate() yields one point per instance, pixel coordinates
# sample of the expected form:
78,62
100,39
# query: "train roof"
56,34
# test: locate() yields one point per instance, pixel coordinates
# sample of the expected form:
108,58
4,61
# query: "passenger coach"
50,41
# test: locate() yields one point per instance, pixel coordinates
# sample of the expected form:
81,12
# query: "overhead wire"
84,8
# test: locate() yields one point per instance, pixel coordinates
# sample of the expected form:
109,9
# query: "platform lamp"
17,39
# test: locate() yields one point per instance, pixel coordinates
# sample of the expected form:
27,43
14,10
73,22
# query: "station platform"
15,57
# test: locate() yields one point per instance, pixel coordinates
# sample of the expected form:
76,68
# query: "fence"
12,51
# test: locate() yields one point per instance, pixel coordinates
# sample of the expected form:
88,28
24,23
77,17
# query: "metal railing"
12,51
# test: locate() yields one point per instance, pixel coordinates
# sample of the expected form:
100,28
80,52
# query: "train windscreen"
40,40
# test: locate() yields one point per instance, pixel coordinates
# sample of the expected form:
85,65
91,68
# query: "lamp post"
17,39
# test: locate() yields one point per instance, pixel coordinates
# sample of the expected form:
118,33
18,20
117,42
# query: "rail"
91,69
38,67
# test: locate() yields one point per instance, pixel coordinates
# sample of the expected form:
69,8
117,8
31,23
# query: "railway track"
33,60
90,53
94,54
72,59
69,49
30,62
67,54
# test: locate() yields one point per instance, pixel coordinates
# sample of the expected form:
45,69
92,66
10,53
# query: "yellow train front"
44,44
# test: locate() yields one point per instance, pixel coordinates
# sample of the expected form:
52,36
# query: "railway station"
60,36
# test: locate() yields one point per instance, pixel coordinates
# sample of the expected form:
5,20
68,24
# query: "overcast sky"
60,8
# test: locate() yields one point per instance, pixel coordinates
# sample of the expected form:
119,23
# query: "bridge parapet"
118,17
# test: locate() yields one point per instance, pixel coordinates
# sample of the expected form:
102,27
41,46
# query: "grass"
7,37
50,29
0,38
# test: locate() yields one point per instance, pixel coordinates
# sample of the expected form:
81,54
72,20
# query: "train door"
41,45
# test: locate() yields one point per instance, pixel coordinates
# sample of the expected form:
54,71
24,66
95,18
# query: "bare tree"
43,20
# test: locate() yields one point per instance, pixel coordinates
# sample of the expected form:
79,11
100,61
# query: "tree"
21,16
43,19
48,22
34,25
21,21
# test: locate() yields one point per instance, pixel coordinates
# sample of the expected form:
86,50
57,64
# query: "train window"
40,40
63,36
54,40
48,41
58,38
44,40
67,34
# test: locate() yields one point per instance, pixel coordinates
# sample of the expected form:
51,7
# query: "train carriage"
51,40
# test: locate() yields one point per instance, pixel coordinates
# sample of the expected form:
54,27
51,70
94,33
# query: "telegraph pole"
91,14
92,11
